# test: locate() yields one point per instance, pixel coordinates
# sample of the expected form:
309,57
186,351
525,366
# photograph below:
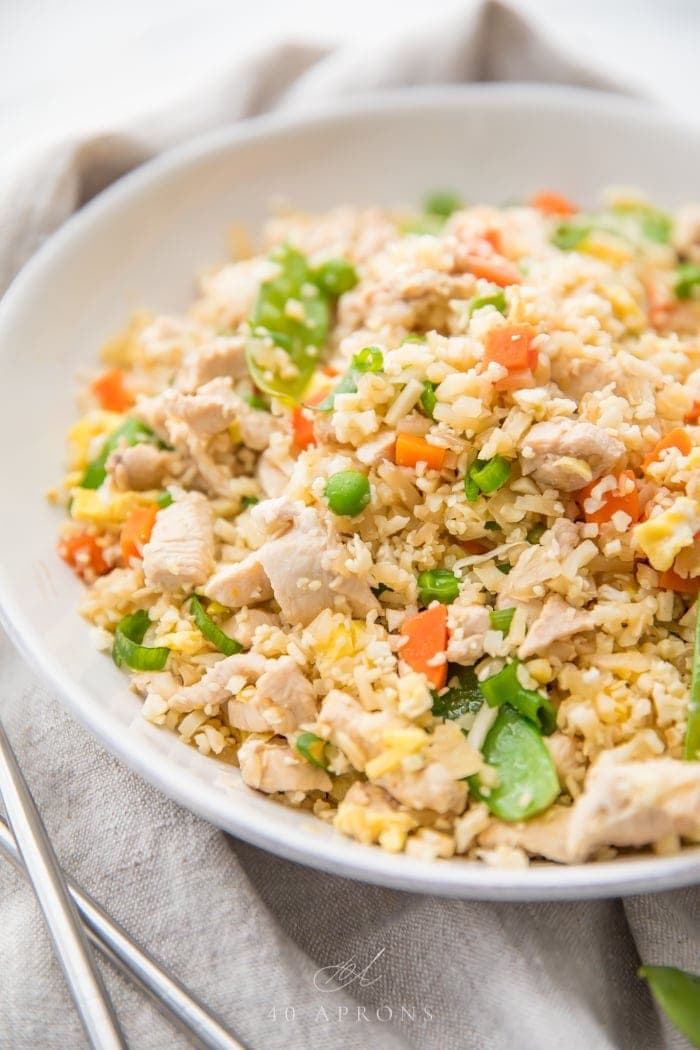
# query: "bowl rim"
336,854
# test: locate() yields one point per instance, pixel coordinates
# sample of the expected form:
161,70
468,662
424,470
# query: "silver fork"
31,851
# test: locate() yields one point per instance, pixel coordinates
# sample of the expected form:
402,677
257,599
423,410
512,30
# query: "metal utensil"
69,940
166,993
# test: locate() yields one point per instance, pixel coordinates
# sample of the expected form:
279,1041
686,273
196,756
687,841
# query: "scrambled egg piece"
663,537
400,743
107,509
82,434
388,827
607,247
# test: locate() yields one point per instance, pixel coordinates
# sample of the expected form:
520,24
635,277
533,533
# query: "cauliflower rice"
400,518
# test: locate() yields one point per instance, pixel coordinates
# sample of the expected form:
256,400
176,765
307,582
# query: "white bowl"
139,245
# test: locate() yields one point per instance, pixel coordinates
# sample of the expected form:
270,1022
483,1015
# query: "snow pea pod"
678,994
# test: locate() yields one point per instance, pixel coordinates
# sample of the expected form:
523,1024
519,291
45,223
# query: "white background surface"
78,65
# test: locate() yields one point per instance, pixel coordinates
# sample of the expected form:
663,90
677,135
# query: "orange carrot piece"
136,531
84,553
303,428
412,449
110,391
549,202
472,546
671,581
493,237
677,438
693,415
427,636
511,346
495,269
613,500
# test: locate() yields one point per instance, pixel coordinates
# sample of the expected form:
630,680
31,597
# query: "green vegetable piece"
335,277
370,359
255,401
692,733
248,501
294,313
461,699
505,688
164,500
348,493
428,400
490,474
379,590
534,535
568,236
639,220
127,648
131,432
492,526
496,299
438,585
687,280
226,645
442,203
424,225
313,748
471,489
504,567
527,778
678,995
414,337
501,619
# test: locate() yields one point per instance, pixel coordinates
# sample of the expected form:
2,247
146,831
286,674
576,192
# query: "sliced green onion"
212,633
164,500
504,567
534,535
471,490
692,733
527,777
493,526
687,280
501,619
131,432
505,688
678,994
127,648
461,699
638,220
442,203
335,276
490,474
370,359
438,585
313,748
414,337
428,400
248,501
379,590
496,299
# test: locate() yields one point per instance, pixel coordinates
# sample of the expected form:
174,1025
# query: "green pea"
438,585
347,493
335,276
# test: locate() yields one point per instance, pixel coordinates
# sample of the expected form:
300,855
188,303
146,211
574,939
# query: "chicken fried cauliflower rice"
402,520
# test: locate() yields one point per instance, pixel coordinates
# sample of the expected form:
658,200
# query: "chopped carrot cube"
412,449
136,531
677,438
613,500
549,202
84,553
427,638
671,581
494,269
511,346
110,391
693,415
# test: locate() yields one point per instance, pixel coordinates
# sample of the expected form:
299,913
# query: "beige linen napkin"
290,957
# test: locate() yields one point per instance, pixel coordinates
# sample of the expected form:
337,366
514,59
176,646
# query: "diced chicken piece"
180,552
544,836
223,356
255,426
536,565
358,733
219,682
272,478
467,624
272,767
284,699
298,565
686,232
159,683
557,620
213,408
567,759
380,447
140,467
166,339
624,804
243,583
566,454
635,804
429,788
